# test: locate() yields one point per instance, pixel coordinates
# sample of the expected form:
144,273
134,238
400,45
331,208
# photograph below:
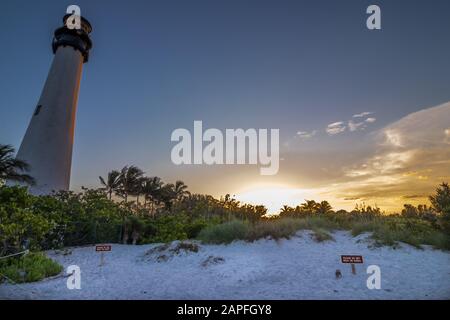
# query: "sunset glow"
275,197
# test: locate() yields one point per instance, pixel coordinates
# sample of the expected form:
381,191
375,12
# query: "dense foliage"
441,203
130,208
73,219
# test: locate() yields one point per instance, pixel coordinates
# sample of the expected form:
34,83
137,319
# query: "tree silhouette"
324,207
130,177
151,189
309,206
13,169
112,183
441,200
180,190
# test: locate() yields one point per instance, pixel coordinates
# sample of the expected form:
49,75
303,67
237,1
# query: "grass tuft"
321,235
29,268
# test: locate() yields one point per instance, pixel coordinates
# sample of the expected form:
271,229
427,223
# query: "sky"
363,114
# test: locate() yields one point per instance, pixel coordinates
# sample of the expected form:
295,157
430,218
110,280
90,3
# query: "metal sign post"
352,260
102,249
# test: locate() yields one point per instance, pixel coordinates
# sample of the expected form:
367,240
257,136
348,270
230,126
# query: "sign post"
352,260
102,249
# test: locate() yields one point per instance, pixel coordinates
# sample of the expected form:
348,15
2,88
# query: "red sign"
351,259
103,247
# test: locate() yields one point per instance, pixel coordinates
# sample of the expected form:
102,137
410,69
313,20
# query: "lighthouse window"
38,109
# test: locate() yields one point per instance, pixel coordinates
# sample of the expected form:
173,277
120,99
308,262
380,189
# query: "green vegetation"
441,203
321,235
388,230
225,232
131,208
70,219
29,268
273,228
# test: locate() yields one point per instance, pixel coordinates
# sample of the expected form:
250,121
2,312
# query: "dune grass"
321,235
224,233
274,229
390,231
385,230
29,268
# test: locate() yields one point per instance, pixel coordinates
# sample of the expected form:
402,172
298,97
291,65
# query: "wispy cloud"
336,128
304,135
299,137
402,162
355,126
362,114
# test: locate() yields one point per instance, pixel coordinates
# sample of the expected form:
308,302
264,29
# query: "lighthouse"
48,141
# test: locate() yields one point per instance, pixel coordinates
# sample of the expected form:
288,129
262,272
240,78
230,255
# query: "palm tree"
112,183
129,178
286,210
180,190
167,195
11,168
138,188
309,206
151,189
324,207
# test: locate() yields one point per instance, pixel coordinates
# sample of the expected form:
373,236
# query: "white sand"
298,268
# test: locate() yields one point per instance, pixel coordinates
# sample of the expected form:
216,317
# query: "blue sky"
160,65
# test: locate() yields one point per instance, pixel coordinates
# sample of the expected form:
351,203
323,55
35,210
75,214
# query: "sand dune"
298,268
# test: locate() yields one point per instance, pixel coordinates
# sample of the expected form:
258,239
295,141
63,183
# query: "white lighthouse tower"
48,141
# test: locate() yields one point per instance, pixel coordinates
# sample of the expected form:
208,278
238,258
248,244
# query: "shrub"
321,235
390,230
20,226
438,240
195,227
275,229
386,230
224,233
441,203
63,219
166,228
29,268
325,221
359,227
84,218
